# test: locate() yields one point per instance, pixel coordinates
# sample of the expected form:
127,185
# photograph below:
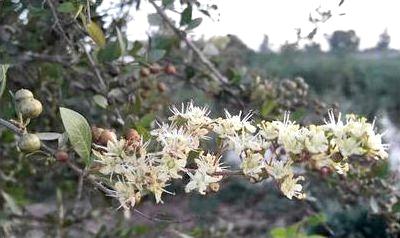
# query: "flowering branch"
266,150
133,168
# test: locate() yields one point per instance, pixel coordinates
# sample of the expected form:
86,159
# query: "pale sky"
251,19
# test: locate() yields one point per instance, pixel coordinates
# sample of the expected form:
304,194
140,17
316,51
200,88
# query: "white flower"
270,130
176,141
172,166
279,169
200,181
357,127
194,116
157,181
341,167
376,147
209,163
333,125
290,188
252,164
244,141
349,146
126,194
292,138
316,141
231,124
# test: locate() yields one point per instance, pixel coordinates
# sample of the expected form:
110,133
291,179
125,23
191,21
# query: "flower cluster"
266,150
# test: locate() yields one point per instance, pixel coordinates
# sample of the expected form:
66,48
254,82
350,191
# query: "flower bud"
144,72
170,69
106,136
132,135
214,187
62,156
23,94
162,87
29,143
155,68
30,108
96,133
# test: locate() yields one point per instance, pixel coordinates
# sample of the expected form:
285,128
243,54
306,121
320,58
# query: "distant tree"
384,41
289,48
264,47
313,47
344,41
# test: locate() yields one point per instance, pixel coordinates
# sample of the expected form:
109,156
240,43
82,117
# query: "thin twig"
57,22
11,126
215,74
96,70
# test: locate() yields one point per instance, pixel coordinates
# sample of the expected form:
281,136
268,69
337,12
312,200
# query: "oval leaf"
186,16
100,100
96,33
66,7
194,23
78,131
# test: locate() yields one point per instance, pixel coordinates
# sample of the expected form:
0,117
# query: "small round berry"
96,133
155,68
214,187
132,135
30,108
170,69
144,72
23,94
106,136
162,87
29,143
325,171
62,156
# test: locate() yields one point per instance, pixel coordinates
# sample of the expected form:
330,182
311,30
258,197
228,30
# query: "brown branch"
96,70
11,126
215,74
31,56
57,22
92,179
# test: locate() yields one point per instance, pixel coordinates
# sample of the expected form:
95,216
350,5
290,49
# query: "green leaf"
66,7
121,42
194,23
100,100
137,106
3,78
267,107
137,45
278,232
109,53
186,16
205,12
11,203
396,207
156,55
316,219
78,131
146,120
167,3
96,33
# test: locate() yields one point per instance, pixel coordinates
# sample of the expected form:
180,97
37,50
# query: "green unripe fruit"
29,143
23,94
30,108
